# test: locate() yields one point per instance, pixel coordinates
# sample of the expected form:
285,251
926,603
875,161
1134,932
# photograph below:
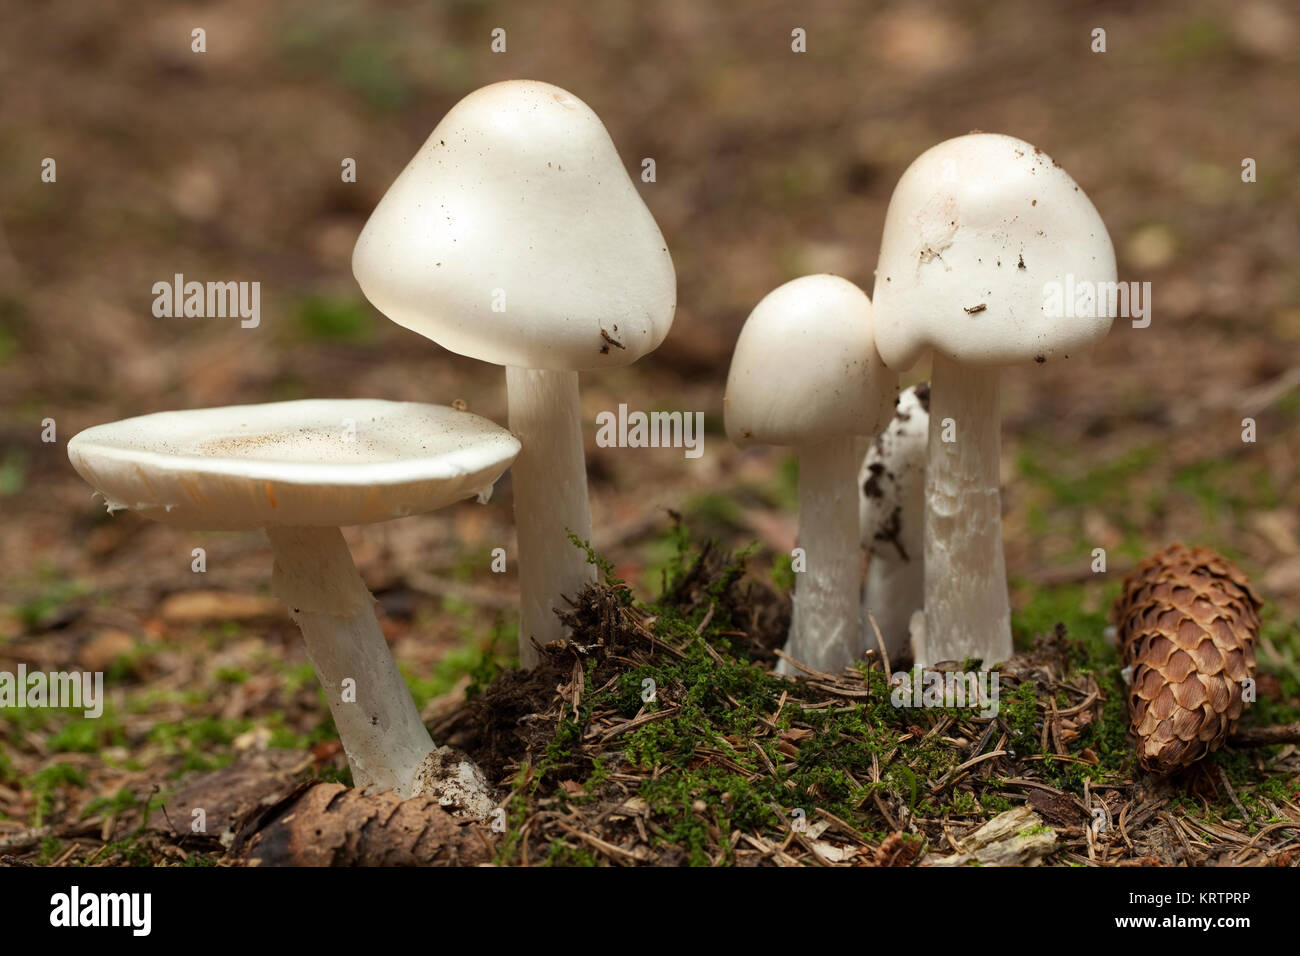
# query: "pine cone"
1187,621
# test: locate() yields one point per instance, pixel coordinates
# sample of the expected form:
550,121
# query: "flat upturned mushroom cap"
976,229
519,200
312,463
805,369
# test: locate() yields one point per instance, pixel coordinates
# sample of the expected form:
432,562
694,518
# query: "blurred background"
225,165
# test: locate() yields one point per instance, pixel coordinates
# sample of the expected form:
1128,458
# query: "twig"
609,849
639,722
25,840
1266,736
880,643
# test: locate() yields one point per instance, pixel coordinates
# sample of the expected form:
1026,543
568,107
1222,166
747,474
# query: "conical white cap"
978,229
515,236
805,369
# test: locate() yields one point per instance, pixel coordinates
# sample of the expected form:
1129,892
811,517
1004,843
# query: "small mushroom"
891,488
515,236
948,283
301,470
805,374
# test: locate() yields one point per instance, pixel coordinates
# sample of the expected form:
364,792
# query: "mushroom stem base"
895,591
825,626
387,745
550,488
967,612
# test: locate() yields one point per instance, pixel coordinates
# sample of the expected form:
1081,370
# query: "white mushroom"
805,374
515,236
301,470
891,486
978,230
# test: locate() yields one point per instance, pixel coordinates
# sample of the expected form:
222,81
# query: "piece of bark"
1056,807
1015,838
256,779
326,824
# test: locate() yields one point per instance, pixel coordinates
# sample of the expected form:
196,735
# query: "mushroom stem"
824,626
967,613
894,592
386,743
550,487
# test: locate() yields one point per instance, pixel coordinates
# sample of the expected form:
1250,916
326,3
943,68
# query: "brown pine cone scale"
1188,620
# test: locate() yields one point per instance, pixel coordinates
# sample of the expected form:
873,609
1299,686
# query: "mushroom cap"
805,369
519,189
292,463
977,228
891,484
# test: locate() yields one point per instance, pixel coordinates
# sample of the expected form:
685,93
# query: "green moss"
1043,464
1020,709
88,735
43,784
1082,608
51,848
53,594
336,319
710,763
335,775
994,803
482,662
1196,39
199,731
13,469
604,567
783,572
297,676
964,802
119,802
560,853
714,511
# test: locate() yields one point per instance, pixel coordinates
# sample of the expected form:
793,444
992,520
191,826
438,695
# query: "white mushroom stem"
892,518
386,743
967,613
894,592
824,627
550,488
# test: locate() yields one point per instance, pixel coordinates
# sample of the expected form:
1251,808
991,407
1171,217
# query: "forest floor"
769,166
660,736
